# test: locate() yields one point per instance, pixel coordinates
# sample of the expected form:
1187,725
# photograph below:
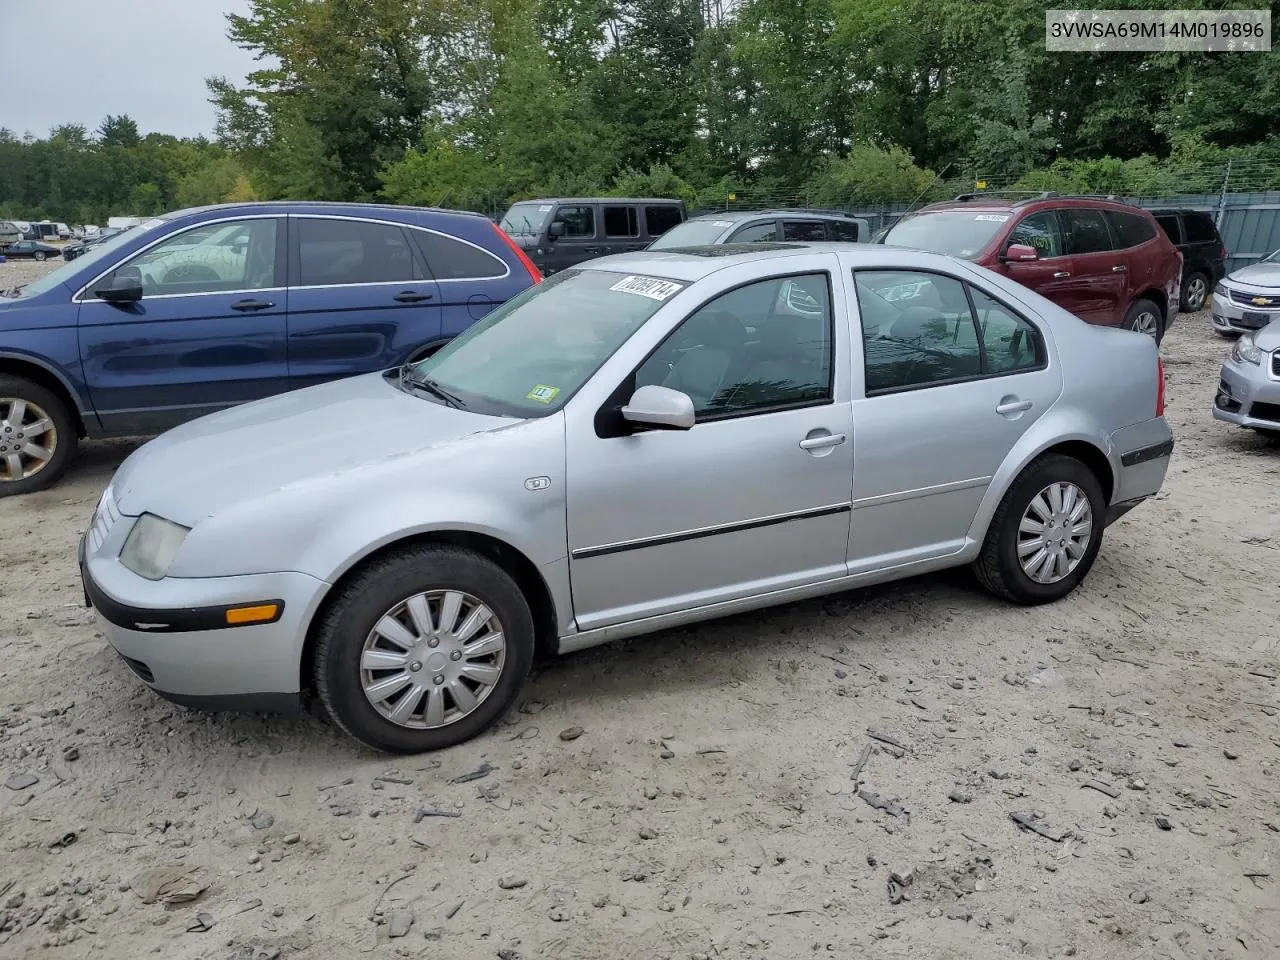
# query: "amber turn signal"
258,613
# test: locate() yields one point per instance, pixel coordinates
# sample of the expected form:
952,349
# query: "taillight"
1159,387
534,274
1222,254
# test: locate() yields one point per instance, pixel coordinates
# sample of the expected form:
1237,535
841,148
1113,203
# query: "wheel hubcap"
1195,294
1146,322
432,659
1055,532
28,439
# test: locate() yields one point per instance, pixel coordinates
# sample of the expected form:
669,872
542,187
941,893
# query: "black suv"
558,232
1204,255
765,226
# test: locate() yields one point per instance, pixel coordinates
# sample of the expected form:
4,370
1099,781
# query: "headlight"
1245,350
151,546
1219,290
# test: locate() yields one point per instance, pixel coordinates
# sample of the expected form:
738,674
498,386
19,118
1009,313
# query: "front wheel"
1045,534
38,256
1145,317
37,436
1195,290
423,649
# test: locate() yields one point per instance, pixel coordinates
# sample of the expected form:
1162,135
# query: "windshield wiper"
409,378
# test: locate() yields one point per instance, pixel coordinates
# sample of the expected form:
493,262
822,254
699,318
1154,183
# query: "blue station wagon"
210,307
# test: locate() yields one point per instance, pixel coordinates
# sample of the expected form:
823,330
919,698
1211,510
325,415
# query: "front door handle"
821,443
1119,268
1013,406
411,296
591,251
1061,274
248,306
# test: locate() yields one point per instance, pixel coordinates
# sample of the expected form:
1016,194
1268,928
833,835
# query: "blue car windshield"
92,255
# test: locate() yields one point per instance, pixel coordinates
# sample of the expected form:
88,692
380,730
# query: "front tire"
423,649
1145,317
38,436
38,256
1195,290
1045,534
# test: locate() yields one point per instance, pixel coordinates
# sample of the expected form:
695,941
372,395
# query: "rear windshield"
692,233
957,233
526,218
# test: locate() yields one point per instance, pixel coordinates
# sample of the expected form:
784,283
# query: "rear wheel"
423,649
1145,317
1195,290
1045,534
37,436
38,255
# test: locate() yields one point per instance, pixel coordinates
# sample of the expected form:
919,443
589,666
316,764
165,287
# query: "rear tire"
441,666
1145,317
1009,549
32,417
38,256
1195,291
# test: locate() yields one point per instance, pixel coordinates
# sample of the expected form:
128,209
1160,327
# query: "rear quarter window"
659,219
1200,228
451,259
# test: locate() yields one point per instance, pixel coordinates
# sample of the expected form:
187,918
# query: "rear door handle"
591,250
1013,406
411,296
248,306
1061,274
821,443
1119,268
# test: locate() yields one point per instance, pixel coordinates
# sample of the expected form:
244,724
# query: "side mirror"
661,407
124,288
1020,253
556,229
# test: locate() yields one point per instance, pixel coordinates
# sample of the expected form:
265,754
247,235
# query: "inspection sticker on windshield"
542,393
993,217
650,287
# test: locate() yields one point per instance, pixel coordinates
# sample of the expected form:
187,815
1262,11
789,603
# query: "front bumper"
172,633
1232,317
1248,395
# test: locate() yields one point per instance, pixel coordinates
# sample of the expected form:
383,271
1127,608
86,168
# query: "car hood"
1258,275
196,470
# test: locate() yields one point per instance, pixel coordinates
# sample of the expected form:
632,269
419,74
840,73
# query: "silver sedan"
1249,384
643,441
1248,298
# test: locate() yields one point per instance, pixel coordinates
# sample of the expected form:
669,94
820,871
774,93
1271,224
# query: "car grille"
1249,300
104,518
1265,411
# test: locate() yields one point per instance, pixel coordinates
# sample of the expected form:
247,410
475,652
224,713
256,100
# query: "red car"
1107,262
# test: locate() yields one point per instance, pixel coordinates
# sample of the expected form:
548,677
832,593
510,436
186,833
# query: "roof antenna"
928,186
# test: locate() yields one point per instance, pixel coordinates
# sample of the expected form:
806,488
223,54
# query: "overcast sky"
75,61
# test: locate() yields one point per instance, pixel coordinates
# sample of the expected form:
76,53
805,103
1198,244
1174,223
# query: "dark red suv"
1107,262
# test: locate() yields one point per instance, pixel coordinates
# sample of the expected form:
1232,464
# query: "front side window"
213,258
343,252
658,220
764,346
1087,232
801,230
1041,232
621,222
530,355
578,221
765,232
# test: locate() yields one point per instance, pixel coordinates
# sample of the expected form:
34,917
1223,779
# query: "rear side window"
450,259
578,221
621,222
765,232
845,230
339,252
658,220
1086,232
1200,228
1130,229
804,230
1169,224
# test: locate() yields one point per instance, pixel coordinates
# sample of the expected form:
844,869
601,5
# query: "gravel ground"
707,808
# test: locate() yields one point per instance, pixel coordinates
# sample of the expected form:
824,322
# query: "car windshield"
1273,258
691,233
73,268
530,355
526,218
957,233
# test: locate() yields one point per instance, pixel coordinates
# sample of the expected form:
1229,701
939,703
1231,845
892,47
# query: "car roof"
669,200
313,206
696,262
979,203
736,216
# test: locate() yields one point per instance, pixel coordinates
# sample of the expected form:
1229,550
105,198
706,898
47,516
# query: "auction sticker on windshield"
993,217
650,287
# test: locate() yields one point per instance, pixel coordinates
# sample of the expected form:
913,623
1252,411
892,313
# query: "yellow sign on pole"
733,196
980,185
